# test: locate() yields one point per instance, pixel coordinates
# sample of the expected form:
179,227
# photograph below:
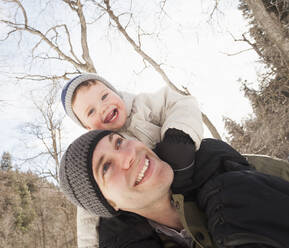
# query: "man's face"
129,174
98,107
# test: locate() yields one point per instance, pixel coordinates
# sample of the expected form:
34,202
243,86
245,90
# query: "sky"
194,52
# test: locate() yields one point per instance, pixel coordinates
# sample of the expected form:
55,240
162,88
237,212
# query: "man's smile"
142,172
145,172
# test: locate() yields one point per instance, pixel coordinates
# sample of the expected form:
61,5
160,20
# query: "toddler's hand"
178,150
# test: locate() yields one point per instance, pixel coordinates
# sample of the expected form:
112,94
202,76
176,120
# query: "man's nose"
127,155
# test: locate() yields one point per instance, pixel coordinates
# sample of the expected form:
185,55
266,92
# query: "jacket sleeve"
169,109
87,231
245,207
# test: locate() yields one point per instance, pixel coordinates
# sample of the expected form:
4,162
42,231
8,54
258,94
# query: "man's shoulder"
126,229
123,221
269,165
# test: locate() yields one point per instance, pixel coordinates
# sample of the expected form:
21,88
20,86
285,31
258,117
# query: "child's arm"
169,109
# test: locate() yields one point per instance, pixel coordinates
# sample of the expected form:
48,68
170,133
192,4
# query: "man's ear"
111,203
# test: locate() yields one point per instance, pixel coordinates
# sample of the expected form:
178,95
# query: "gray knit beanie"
76,176
68,89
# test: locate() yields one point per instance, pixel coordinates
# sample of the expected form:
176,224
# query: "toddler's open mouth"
111,116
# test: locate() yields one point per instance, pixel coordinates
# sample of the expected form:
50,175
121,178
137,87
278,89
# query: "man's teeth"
141,174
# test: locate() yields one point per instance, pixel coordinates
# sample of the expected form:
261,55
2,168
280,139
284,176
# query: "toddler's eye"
105,167
90,112
104,96
118,142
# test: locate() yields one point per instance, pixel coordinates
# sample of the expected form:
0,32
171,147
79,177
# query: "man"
112,176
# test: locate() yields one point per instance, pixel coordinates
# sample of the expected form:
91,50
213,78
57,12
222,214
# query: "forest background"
232,55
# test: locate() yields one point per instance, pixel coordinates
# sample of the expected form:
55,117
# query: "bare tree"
262,132
56,49
53,37
48,131
268,15
271,26
137,46
6,163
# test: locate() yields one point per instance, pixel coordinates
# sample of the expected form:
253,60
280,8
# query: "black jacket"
127,230
244,208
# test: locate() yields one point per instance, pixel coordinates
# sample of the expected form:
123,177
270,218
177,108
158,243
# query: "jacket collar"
193,220
128,100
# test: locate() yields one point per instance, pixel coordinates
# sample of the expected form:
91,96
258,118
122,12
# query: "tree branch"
153,63
77,7
21,27
136,47
36,77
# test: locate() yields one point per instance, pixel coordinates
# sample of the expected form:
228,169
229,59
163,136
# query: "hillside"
33,213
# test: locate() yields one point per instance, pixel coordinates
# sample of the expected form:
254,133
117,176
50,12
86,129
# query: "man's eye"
90,112
118,142
104,96
105,167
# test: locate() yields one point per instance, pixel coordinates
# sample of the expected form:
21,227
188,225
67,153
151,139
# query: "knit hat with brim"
76,176
69,88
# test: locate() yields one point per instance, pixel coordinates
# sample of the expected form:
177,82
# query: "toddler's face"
98,107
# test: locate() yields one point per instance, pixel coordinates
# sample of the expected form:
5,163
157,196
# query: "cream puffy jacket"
149,117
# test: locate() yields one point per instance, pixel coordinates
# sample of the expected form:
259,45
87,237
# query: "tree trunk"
43,229
211,127
271,27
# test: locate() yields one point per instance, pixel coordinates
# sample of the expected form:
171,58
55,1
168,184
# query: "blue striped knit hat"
69,88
